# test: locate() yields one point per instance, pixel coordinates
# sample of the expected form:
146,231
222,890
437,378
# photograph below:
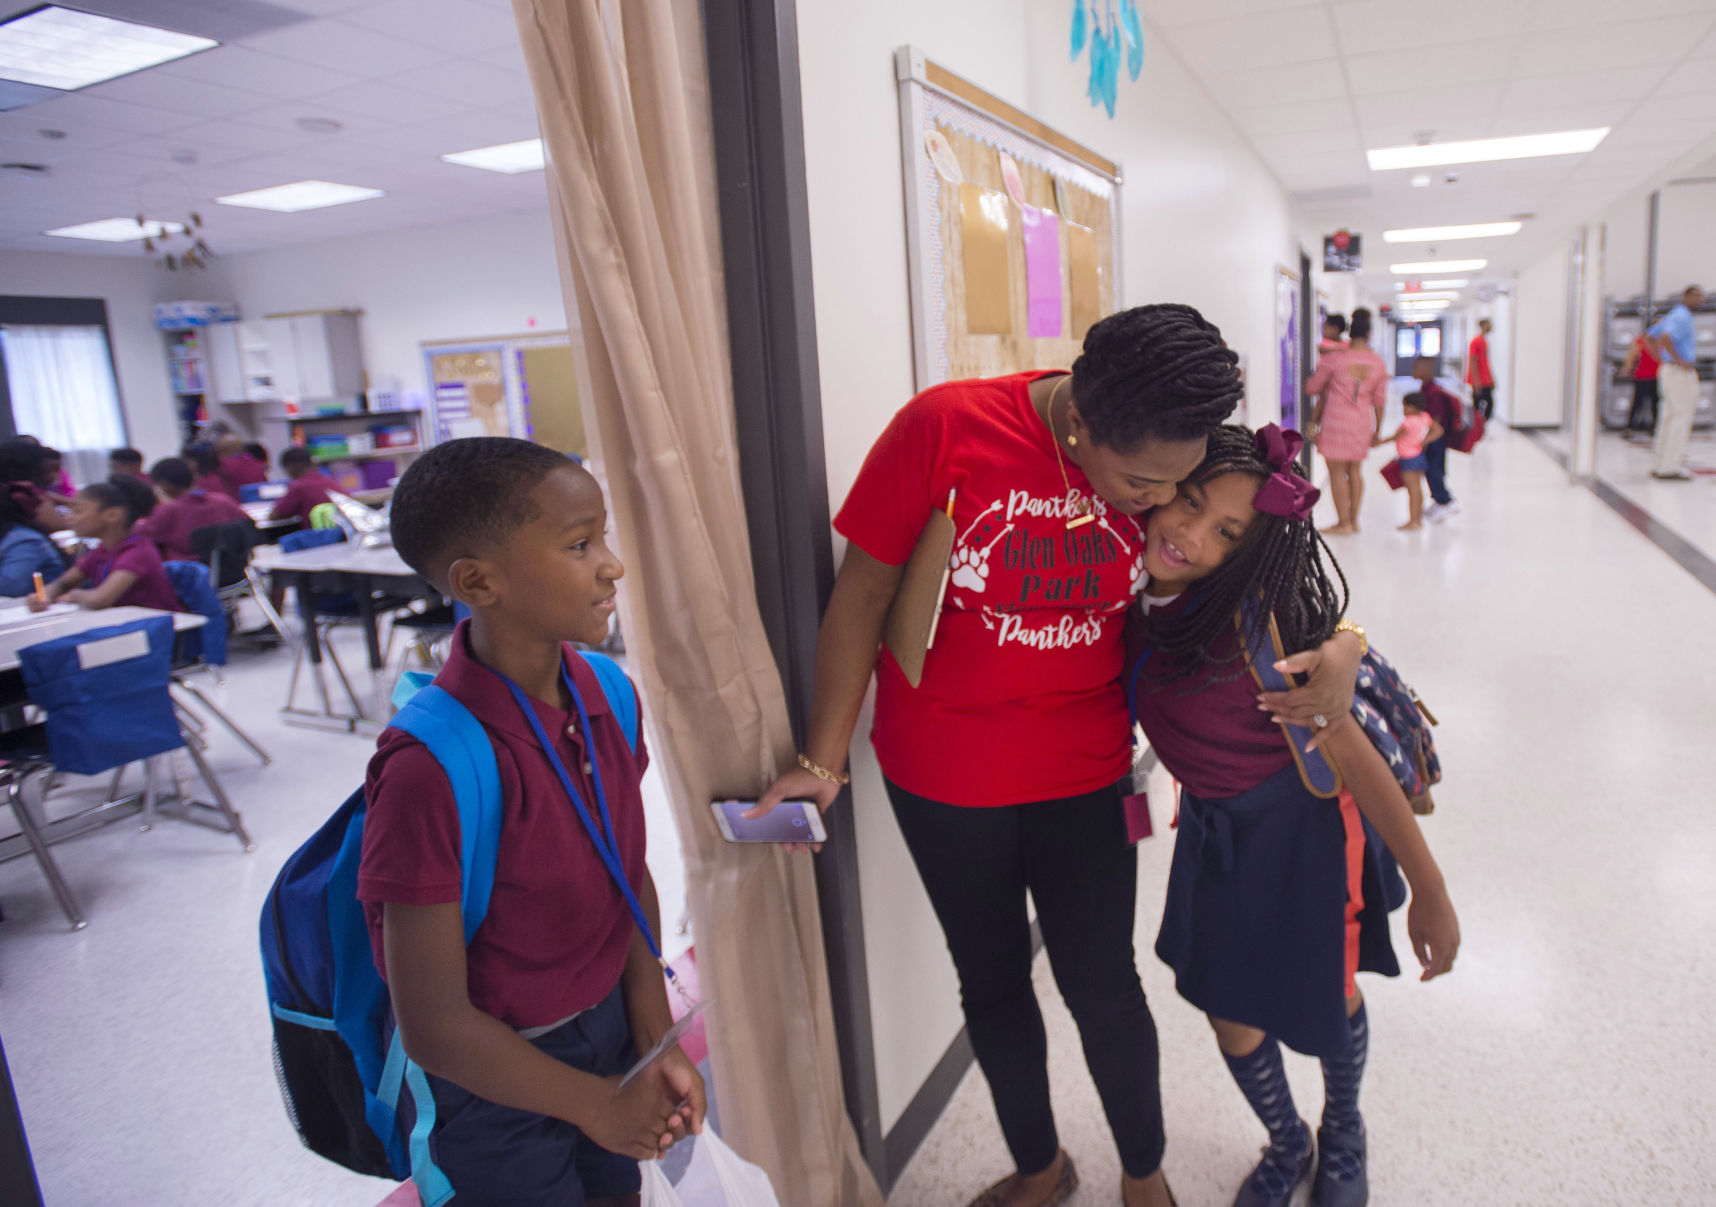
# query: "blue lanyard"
607,844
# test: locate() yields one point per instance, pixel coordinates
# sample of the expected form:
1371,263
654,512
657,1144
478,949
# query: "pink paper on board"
1042,273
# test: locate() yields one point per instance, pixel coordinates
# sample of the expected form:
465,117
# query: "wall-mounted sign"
1342,252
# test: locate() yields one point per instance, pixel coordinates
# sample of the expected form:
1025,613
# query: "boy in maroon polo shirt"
526,1032
238,468
309,489
183,511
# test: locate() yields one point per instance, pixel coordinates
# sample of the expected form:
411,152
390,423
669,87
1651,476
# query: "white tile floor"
140,1045
1688,508
1565,1061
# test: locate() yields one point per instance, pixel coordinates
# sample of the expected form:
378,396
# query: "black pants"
1436,470
1073,858
1484,399
1643,416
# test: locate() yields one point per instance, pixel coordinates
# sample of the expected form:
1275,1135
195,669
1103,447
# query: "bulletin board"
1013,231
506,385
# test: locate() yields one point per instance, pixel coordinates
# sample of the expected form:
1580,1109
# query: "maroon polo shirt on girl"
136,553
558,930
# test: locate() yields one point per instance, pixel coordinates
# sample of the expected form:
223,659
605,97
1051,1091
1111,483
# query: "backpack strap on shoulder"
622,696
462,747
1262,650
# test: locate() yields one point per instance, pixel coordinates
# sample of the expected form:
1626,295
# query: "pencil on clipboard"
946,574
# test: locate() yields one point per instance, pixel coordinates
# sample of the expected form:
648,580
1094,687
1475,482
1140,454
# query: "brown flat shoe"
1064,1189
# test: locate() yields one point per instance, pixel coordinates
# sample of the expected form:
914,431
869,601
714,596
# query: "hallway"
1570,664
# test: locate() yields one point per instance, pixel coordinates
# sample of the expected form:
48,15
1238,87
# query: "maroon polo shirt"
153,589
170,525
241,469
307,492
215,484
558,931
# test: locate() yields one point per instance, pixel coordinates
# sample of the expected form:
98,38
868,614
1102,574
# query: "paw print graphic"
970,569
1137,575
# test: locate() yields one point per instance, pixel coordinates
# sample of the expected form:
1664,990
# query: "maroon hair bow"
1285,493
25,496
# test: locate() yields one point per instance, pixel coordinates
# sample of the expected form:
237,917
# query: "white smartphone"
790,821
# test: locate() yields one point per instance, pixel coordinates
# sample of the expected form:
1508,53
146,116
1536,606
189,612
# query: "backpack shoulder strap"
462,747
622,696
1263,650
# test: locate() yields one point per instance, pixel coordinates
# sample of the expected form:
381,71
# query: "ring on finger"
1320,721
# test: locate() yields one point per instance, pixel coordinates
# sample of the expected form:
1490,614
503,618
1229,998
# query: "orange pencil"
41,589
940,595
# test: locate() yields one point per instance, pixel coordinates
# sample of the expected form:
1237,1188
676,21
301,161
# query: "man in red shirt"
184,511
238,468
309,489
1478,374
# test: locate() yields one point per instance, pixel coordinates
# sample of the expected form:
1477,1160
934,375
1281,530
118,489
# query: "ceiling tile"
451,26
1317,81
253,71
1566,14
192,97
1177,12
257,139
468,83
1306,115
376,98
1608,47
1563,117
1401,134
508,58
1281,147
284,117
1478,62
460,132
340,46
1694,77
1370,26
1299,35
80,110
1621,88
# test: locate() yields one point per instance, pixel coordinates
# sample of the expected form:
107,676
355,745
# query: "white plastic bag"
716,1177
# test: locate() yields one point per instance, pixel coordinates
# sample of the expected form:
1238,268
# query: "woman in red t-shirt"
1642,366
1003,765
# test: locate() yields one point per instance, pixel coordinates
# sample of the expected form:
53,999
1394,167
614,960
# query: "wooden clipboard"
910,628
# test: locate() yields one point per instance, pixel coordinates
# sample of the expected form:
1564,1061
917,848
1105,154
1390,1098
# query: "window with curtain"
62,386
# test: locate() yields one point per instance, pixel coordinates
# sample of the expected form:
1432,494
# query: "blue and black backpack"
339,1060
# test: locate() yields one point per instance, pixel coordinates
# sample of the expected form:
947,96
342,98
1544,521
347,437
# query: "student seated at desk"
127,570
184,510
126,461
309,488
21,462
24,551
205,464
238,466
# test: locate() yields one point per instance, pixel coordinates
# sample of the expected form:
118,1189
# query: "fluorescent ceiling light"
511,157
117,230
1424,308
1435,234
59,48
301,195
1486,150
1448,283
1422,266
1426,296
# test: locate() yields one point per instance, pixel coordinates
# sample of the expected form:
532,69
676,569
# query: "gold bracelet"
1347,626
823,773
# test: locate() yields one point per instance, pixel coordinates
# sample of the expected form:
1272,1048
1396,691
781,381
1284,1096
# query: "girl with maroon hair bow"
1277,897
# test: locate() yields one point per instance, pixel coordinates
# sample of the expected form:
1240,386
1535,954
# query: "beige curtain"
621,90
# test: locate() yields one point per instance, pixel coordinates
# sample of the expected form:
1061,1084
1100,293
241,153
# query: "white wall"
1540,343
1686,238
1204,222
437,282
130,286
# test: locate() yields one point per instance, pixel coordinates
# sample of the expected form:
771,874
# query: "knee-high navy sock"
1263,1080
1342,1077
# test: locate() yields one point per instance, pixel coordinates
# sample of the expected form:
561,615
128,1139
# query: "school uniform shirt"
558,930
306,493
171,523
215,484
1478,363
241,469
1020,698
1441,406
136,553
25,553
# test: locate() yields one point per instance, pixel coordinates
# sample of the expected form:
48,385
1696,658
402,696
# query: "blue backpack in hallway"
339,1061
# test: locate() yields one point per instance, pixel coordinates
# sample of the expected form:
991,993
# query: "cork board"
999,288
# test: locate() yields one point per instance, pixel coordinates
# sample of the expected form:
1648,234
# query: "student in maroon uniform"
205,464
125,461
309,489
184,510
238,468
126,571
1003,765
526,1031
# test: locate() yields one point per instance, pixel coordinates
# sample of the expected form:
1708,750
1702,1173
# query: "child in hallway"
1276,897
526,1031
1444,408
1416,431
126,571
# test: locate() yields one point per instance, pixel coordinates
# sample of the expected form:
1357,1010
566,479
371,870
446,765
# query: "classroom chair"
225,549
205,648
24,753
256,492
331,611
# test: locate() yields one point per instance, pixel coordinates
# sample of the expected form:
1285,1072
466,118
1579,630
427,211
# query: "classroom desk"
338,570
20,627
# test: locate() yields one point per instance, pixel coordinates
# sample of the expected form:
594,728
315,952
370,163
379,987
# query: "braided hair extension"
1156,372
1281,563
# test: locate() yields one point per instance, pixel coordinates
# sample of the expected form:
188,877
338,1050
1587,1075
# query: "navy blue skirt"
1256,922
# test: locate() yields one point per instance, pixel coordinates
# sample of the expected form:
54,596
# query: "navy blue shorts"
1414,465
498,1155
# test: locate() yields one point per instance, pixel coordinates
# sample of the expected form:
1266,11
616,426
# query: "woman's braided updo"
1157,372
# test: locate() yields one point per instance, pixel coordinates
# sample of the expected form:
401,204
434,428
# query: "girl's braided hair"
1158,372
1282,565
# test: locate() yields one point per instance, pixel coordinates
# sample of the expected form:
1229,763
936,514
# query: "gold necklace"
1084,512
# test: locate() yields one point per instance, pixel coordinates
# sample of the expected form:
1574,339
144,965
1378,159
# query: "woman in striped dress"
1351,388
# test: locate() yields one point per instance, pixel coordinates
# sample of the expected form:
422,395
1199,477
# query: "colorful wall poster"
1042,272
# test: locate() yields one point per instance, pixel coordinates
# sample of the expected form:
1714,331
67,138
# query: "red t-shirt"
1478,363
1207,728
1020,699
307,492
1648,365
170,525
136,553
241,469
558,930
